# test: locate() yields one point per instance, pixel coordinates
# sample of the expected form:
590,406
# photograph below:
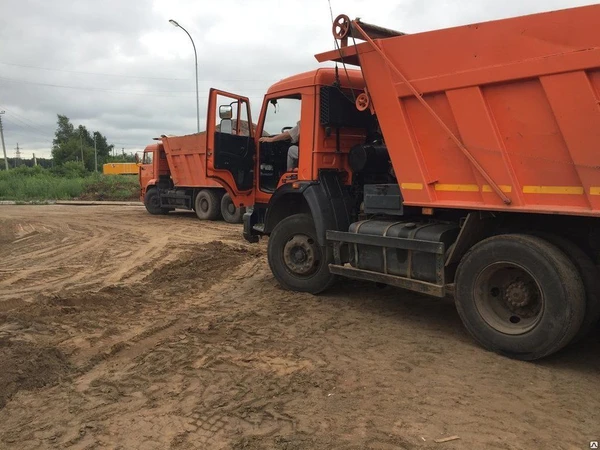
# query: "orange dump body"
186,156
508,115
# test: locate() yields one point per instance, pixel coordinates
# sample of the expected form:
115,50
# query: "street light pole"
175,24
3,146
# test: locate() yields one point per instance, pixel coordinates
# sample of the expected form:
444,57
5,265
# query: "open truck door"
230,145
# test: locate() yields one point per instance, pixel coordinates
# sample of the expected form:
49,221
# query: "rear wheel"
230,212
591,281
296,259
207,205
152,202
519,296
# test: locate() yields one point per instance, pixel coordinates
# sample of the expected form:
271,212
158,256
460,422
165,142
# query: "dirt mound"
26,367
199,267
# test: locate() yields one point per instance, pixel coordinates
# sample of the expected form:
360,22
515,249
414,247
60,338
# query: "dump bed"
186,156
501,115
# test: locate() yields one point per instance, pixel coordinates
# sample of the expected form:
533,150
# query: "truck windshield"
284,114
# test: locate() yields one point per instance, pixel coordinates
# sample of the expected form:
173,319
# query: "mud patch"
26,366
42,315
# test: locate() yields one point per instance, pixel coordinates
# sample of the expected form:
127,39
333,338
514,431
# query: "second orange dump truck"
462,162
173,176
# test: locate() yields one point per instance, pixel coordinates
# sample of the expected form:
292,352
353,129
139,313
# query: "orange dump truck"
173,176
463,162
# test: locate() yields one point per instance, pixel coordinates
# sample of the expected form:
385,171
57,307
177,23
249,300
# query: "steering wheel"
286,128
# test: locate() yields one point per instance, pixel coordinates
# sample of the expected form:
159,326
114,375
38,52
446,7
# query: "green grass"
111,187
30,184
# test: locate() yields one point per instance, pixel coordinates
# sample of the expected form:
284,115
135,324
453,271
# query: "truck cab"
153,166
256,173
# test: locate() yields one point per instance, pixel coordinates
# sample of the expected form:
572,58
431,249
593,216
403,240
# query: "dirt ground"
128,331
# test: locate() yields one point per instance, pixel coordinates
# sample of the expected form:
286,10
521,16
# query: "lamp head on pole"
173,22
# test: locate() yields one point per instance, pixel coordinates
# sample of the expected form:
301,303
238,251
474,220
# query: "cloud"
120,68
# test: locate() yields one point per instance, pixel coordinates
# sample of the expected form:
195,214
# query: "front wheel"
152,202
296,259
520,296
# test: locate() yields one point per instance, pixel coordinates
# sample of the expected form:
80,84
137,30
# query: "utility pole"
17,154
81,141
34,161
95,155
3,146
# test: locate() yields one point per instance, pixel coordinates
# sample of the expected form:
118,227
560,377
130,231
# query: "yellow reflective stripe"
457,187
503,188
412,186
570,190
595,190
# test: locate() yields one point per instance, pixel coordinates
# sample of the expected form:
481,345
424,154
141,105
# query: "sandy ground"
123,330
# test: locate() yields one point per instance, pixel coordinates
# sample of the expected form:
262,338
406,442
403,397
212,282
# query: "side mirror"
225,112
137,158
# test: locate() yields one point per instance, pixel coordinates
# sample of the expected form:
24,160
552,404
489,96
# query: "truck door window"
234,147
282,114
147,158
238,124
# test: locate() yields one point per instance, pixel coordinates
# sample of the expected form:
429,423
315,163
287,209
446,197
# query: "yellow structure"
120,169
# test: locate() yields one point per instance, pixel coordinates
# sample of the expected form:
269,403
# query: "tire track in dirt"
200,348
50,249
42,316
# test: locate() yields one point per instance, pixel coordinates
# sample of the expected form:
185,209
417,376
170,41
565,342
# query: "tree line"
75,144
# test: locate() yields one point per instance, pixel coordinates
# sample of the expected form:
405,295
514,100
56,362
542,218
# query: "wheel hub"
299,255
508,298
518,294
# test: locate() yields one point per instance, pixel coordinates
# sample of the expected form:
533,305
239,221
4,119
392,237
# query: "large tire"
152,202
207,205
295,257
520,296
591,281
230,212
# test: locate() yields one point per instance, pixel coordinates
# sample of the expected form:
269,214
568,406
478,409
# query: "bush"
111,187
70,169
64,183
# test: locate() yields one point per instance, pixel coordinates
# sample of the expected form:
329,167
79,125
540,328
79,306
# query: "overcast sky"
119,67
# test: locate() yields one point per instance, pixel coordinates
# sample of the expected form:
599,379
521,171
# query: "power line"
95,73
26,130
96,89
26,122
157,93
125,76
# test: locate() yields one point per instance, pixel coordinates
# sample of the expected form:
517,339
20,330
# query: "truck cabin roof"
320,77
